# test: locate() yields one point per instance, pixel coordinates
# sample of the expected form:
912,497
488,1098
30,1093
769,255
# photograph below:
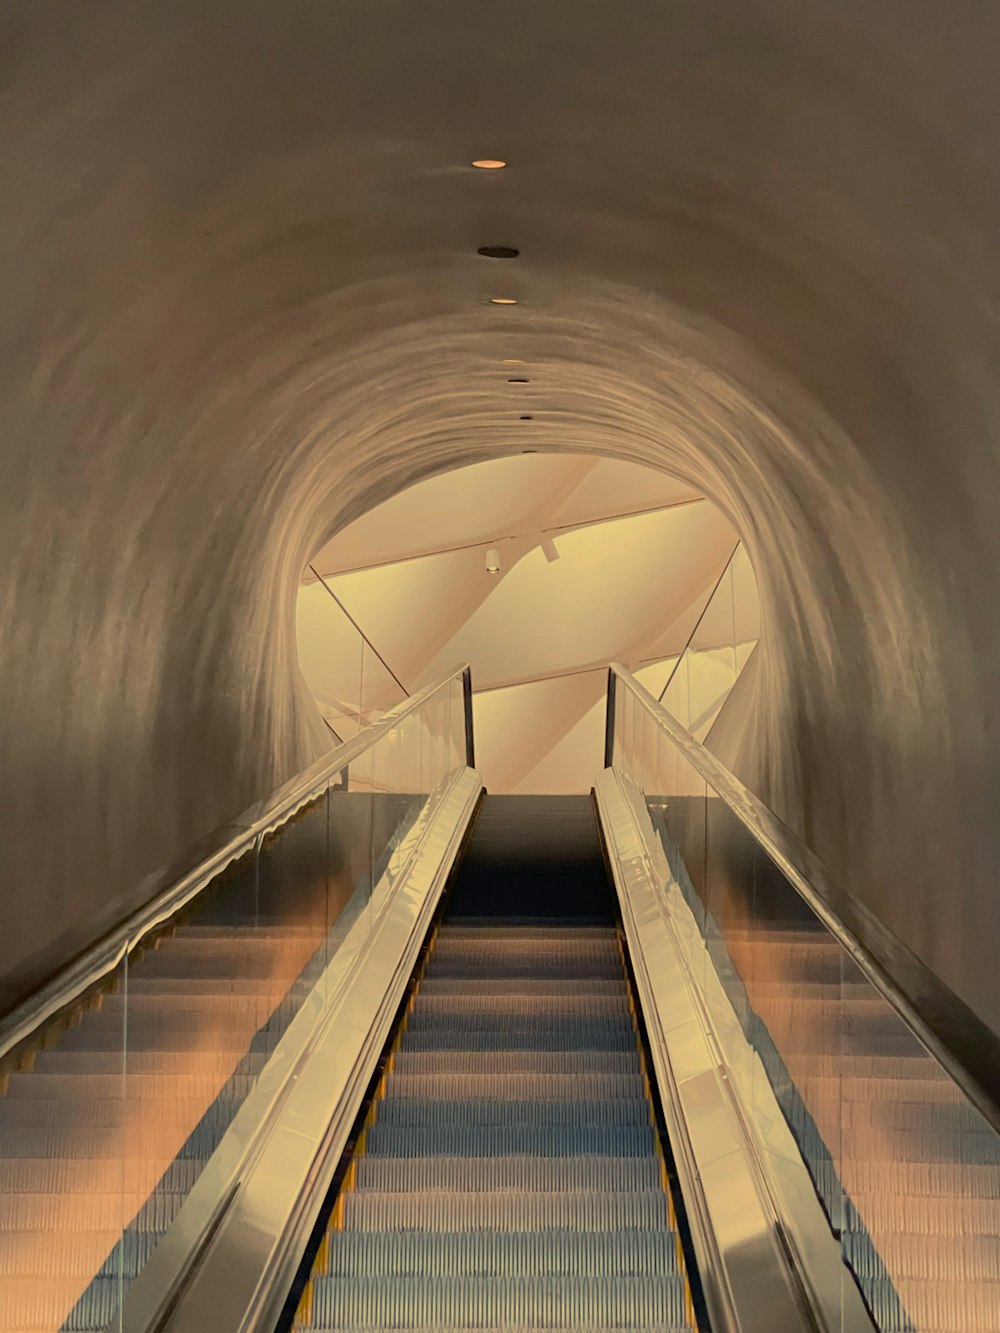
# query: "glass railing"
350,682
720,645
121,1079
906,1166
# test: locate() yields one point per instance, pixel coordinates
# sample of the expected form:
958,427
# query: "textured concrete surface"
242,302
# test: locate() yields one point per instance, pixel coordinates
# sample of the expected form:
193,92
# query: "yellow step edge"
304,1314
337,1216
689,1312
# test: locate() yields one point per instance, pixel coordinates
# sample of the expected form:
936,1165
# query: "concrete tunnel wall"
243,303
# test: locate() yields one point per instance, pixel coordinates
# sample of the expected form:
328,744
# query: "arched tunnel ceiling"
243,304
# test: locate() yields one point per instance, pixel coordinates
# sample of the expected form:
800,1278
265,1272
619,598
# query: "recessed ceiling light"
518,381
498,252
489,163
503,300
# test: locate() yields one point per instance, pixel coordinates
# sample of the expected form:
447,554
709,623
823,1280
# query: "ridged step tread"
527,1038
487,1253
517,1086
507,1211
502,1063
552,968
462,1006
521,1175
468,1328
501,1141
540,1114
508,1302
471,988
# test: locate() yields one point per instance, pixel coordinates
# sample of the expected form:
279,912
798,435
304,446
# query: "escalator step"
567,1253
595,1030
554,968
548,1038
515,1175
585,1006
506,1211
48,1253
521,1328
69,1113
949,1259
538,1087
525,939
567,1115
432,987
507,1302
498,1141
99,1212
501,1064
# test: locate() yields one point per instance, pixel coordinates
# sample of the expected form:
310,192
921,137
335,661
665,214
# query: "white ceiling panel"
611,487
595,602
502,498
471,504
579,585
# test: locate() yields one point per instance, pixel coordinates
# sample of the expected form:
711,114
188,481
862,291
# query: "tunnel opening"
538,571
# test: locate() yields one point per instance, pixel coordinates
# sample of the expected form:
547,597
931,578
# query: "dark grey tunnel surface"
534,856
244,303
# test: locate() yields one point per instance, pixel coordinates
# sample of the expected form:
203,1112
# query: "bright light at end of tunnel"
489,163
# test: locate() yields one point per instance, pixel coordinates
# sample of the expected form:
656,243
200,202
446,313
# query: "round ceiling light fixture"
498,252
489,163
493,561
503,300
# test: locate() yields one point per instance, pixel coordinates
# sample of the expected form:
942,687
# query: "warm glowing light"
511,361
493,561
489,163
503,300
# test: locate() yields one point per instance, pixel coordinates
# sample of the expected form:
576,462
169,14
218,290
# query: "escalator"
616,1065
510,1173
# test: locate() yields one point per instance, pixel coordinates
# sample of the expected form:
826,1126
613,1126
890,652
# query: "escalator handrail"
961,1043
167,891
